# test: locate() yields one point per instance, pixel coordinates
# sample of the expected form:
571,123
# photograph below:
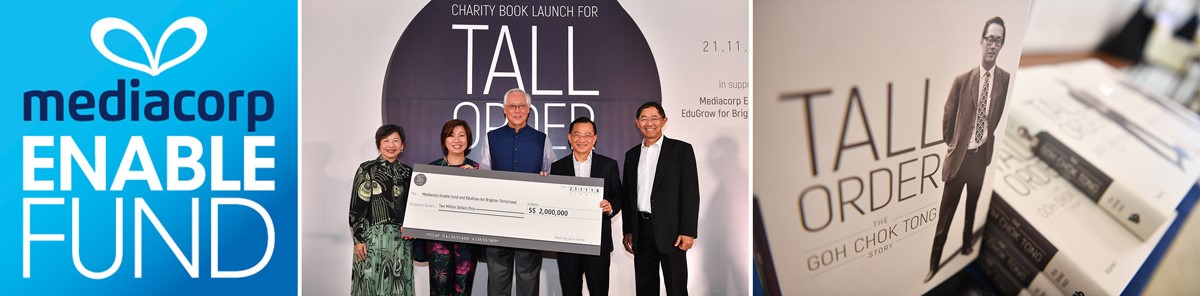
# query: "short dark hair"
583,119
656,105
448,129
994,20
387,130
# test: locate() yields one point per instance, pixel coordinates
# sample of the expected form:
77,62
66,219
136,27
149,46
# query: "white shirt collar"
657,144
588,160
986,70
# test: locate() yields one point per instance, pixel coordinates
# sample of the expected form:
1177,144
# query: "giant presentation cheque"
520,210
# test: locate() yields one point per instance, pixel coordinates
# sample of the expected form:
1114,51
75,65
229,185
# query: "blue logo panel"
149,147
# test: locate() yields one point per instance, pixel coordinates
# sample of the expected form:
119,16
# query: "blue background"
249,46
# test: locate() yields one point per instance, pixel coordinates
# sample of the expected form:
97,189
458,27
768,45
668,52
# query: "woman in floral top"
382,259
452,265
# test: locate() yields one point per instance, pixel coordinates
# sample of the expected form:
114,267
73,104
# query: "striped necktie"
982,107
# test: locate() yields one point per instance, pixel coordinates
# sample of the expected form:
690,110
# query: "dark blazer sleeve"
950,114
563,167
689,192
612,183
998,107
629,192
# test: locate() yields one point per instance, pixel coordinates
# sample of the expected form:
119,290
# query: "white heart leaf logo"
103,26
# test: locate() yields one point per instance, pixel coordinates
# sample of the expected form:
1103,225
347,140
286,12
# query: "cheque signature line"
485,214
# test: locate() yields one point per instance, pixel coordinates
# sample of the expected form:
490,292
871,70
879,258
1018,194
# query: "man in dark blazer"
584,163
662,199
972,114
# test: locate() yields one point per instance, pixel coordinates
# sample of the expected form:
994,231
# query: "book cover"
1134,210
1065,234
874,131
1138,141
1131,154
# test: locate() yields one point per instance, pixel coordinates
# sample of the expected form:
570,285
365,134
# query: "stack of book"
1093,178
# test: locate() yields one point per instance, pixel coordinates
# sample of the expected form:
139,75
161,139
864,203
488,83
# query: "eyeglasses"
649,119
521,106
994,40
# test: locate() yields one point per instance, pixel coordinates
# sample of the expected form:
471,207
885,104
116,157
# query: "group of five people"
658,196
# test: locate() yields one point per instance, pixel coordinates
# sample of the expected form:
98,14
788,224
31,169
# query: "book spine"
1004,282
1063,272
1133,211
1028,275
1043,285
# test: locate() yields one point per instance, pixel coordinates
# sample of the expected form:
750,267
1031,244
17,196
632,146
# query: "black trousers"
970,175
648,259
572,268
501,262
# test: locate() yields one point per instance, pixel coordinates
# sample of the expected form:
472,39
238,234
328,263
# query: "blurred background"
1154,42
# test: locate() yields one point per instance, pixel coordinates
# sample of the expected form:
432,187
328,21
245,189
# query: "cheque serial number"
548,212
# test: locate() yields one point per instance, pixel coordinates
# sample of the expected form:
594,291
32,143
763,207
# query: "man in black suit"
971,116
584,163
662,199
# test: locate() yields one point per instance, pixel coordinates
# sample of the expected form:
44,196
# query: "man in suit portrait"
583,162
662,201
972,113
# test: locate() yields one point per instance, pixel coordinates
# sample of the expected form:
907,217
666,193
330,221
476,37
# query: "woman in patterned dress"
452,265
382,258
